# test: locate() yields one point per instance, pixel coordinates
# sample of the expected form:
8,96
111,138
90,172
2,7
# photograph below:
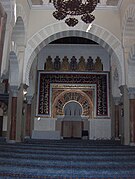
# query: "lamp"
72,8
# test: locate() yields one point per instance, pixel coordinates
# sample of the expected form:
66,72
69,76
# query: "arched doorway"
72,123
72,111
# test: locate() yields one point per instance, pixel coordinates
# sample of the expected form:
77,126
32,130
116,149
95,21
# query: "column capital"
131,93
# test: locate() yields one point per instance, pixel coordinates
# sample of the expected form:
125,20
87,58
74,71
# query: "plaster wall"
45,129
108,19
44,124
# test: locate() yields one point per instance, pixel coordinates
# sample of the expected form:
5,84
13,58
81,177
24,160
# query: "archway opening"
72,124
72,110
84,70
107,47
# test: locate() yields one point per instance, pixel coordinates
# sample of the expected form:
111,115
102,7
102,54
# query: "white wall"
100,129
108,18
44,124
45,129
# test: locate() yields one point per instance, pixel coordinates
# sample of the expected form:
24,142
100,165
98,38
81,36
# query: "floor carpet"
64,159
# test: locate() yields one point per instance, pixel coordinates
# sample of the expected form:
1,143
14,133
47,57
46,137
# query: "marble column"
12,134
21,52
132,115
125,115
28,117
21,113
116,115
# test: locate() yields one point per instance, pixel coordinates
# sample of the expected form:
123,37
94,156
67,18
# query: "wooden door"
72,129
67,129
77,129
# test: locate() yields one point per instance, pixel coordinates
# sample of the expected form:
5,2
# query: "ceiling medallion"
72,8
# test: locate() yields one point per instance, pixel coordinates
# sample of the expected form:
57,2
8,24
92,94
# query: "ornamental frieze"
46,96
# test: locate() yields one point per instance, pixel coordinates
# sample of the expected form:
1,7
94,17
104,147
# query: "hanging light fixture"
72,8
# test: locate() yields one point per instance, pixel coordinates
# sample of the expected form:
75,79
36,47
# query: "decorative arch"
18,20
18,39
20,12
59,30
73,108
18,34
80,97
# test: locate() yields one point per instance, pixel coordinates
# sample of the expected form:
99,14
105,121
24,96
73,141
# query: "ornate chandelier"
72,8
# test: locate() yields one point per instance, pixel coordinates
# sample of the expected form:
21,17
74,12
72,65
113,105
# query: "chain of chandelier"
68,9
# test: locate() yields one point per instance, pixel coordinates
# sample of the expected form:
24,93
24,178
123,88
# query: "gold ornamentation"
81,64
49,64
65,64
98,64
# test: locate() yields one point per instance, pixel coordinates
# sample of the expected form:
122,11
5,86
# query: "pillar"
13,113
21,114
28,117
125,120
116,117
132,115
20,56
